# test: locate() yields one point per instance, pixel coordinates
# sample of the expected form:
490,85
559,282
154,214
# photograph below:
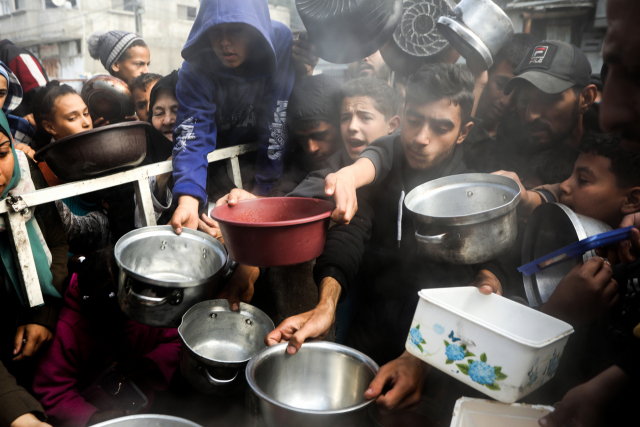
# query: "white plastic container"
470,412
502,348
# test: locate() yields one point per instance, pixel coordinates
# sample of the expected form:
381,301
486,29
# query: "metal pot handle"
434,240
218,382
148,301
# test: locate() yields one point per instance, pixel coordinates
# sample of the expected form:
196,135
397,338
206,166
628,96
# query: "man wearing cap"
555,108
124,55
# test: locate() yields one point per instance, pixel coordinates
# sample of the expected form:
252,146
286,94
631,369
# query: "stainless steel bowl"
478,29
465,219
162,274
217,344
148,420
322,385
553,226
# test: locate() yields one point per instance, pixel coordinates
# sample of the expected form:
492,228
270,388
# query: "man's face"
164,113
592,190
548,119
361,124
430,132
232,43
137,63
494,105
141,101
4,86
319,142
620,108
371,66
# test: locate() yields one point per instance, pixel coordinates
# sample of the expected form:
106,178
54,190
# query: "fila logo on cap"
539,54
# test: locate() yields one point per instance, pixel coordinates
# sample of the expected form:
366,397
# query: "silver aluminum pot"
217,344
465,219
478,30
553,226
162,274
148,420
322,385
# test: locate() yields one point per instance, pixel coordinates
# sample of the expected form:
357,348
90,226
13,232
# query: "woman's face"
4,87
70,116
6,162
163,114
137,63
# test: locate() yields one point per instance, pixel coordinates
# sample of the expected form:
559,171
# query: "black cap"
552,67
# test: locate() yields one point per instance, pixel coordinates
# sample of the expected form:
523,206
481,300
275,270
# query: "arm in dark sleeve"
344,247
15,401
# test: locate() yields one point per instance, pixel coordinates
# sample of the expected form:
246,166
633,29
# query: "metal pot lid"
218,335
465,41
417,34
148,420
158,256
463,199
553,226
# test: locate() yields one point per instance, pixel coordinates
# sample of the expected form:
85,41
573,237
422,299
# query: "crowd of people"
539,115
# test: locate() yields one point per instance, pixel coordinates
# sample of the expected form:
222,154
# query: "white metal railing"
14,209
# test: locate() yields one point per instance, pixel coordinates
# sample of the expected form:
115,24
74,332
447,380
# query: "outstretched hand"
186,214
406,376
343,189
314,324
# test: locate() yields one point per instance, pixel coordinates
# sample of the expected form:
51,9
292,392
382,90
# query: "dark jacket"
219,108
15,401
390,269
312,184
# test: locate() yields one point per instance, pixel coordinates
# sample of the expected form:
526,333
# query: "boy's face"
430,132
361,124
592,190
232,43
141,101
137,63
319,142
494,105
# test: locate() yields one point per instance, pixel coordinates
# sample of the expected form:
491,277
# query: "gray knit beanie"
109,46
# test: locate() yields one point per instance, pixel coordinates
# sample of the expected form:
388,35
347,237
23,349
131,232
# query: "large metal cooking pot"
148,420
465,219
97,152
477,29
346,31
162,274
553,226
108,97
323,384
274,231
217,344
416,40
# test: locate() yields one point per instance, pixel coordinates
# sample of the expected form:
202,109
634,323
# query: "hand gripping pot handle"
216,381
435,240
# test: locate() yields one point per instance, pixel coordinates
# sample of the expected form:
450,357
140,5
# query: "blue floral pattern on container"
482,373
454,352
551,368
416,337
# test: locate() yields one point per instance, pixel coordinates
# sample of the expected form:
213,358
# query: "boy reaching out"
233,88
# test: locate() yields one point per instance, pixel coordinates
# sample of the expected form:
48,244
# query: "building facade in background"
55,31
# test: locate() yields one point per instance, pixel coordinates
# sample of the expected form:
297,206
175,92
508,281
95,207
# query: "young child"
233,88
140,88
93,334
124,55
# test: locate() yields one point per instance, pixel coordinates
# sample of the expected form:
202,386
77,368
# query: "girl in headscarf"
10,99
24,329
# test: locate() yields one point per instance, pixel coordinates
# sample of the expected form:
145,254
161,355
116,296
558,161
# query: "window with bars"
188,13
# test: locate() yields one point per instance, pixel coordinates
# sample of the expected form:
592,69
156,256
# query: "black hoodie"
389,269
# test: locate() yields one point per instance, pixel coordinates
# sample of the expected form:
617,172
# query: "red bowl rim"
330,207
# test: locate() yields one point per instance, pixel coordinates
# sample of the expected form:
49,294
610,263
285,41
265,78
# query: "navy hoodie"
219,108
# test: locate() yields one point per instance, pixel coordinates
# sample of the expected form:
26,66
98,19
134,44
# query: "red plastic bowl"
275,231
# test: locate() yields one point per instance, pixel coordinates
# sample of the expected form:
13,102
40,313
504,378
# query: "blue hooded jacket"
219,108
